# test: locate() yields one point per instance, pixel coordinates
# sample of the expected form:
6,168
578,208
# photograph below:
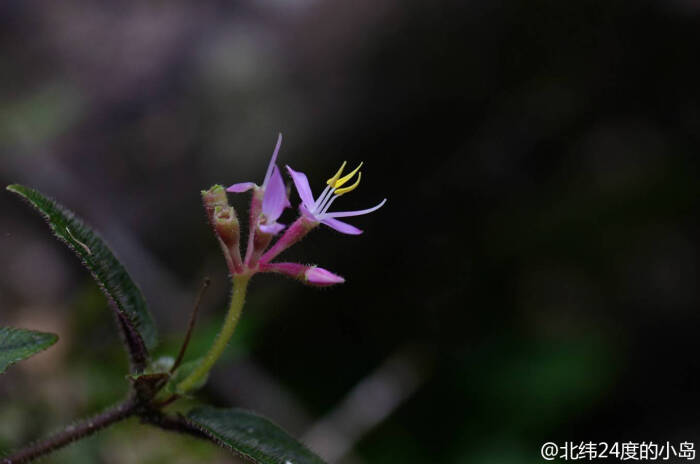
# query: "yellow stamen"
339,183
333,179
351,188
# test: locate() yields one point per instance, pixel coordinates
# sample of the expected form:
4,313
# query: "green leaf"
128,302
19,344
251,436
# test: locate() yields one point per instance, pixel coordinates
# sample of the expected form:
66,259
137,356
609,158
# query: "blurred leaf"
38,117
132,313
161,364
19,344
181,373
251,436
535,384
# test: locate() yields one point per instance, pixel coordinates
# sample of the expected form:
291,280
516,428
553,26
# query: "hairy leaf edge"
122,316
214,437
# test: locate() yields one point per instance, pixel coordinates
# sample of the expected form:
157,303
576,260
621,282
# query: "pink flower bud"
319,277
307,274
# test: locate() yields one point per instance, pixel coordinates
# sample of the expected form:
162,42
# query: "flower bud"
319,277
223,219
215,196
307,274
227,226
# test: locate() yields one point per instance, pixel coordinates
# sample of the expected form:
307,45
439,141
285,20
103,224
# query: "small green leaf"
19,344
154,377
181,373
251,436
132,313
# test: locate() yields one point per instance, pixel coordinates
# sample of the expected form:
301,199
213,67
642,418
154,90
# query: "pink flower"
274,195
268,202
317,209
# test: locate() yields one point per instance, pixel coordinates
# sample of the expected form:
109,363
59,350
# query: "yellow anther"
352,187
339,183
333,179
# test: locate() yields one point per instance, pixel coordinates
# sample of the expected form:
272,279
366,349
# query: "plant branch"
240,284
74,432
190,325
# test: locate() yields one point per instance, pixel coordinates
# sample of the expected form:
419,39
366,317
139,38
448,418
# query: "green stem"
240,284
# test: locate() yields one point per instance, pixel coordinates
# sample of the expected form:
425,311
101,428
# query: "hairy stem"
240,285
73,433
138,354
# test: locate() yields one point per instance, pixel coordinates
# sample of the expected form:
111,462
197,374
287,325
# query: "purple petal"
341,226
356,213
275,197
304,211
321,277
273,160
241,187
303,188
274,228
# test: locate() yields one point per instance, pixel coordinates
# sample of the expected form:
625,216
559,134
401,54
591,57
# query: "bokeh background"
533,276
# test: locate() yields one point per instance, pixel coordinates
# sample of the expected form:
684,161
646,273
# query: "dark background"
532,277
